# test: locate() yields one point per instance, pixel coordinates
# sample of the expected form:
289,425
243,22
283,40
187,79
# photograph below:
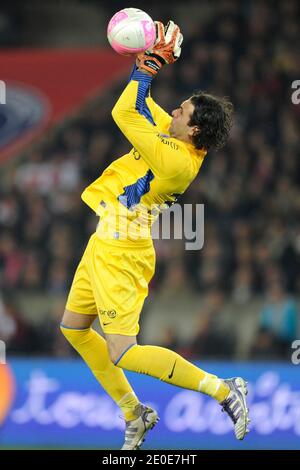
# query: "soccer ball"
131,31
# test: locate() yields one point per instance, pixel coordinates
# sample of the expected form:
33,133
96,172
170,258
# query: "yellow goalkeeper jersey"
135,188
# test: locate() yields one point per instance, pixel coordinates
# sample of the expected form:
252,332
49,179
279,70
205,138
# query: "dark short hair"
214,116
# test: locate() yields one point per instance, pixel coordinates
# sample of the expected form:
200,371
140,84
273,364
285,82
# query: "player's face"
179,127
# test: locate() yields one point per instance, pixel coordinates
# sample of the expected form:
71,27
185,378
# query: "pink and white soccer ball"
131,31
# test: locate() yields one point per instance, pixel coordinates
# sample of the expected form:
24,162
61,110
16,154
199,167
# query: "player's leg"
118,305
170,367
92,348
165,365
81,311
128,274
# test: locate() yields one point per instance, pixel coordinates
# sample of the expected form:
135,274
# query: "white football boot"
137,429
236,407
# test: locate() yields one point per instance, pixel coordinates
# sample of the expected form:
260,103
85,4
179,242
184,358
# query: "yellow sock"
168,366
214,387
93,349
130,406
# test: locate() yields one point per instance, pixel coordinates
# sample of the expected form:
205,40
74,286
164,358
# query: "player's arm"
166,50
134,118
161,117
137,120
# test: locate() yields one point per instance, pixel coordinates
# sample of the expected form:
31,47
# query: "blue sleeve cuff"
139,76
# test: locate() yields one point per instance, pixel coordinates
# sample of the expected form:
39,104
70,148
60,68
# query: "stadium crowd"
250,190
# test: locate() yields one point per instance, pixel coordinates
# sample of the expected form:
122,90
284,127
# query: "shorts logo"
109,313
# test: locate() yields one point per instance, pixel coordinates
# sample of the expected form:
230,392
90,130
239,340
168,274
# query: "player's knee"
116,351
114,359
114,354
75,336
77,321
64,330
63,326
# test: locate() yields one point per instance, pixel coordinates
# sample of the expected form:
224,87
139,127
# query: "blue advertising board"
59,404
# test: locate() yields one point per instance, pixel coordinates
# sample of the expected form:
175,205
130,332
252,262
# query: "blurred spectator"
175,281
58,281
242,290
18,334
210,339
32,278
265,347
52,341
12,261
170,339
279,315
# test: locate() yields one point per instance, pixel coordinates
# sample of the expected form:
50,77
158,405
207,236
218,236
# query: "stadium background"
234,305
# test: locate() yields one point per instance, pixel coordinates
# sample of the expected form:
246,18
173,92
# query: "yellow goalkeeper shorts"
112,280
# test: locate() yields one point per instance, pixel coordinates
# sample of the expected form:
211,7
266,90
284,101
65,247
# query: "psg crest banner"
43,86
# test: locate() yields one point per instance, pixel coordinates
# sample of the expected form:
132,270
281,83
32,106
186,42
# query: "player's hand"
166,49
168,42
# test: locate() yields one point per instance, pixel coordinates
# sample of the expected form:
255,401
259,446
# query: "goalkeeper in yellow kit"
112,278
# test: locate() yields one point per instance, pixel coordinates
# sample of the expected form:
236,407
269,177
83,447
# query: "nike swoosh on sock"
171,375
